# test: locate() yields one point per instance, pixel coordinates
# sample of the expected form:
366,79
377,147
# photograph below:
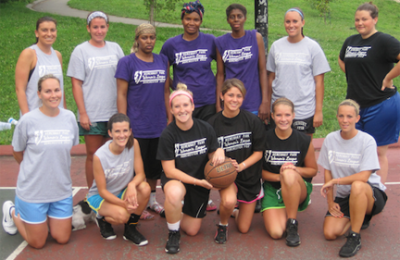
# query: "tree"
153,5
322,6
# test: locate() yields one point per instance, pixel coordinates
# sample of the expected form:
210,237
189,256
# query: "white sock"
225,225
233,212
152,199
174,226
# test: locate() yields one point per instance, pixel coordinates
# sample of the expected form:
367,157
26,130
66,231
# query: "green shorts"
273,197
97,128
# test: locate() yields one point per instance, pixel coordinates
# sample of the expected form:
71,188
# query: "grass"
18,25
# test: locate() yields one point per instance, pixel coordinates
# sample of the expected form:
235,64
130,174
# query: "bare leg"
244,216
93,142
294,191
275,222
228,202
190,225
34,234
361,203
60,229
174,193
335,227
383,161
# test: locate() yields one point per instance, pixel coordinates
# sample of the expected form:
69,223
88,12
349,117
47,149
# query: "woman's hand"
203,183
218,157
286,166
387,84
85,121
131,198
334,209
327,186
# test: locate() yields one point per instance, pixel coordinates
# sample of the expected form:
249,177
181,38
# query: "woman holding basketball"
119,193
368,60
142,79
350,162
42,144
296,67
241,134
241,55
288,168
92,68
185,147
36,61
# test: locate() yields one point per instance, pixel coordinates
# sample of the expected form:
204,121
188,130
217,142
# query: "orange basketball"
222,175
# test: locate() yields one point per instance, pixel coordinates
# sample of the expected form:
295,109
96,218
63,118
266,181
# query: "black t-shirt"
367,61
240,137
189,148
293,149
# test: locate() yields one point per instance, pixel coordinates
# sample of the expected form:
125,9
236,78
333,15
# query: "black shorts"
205,112
195,201
301,125
380,202
148,149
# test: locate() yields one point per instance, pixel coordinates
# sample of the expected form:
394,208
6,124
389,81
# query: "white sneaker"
8,222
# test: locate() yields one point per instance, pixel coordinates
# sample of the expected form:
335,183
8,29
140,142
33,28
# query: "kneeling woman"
184,148
241,134
350,161
117,196
288,167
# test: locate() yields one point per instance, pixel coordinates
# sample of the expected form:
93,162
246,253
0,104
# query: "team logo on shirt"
48,137
281,157
235,142
344,159
54,69
117,171
191,56
237,55
189,149
102,62
149,76
357,52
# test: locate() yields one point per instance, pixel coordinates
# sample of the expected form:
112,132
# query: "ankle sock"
174,226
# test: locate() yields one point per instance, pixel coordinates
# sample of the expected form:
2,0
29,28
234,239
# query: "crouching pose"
288,167
350,161
184,148
119,193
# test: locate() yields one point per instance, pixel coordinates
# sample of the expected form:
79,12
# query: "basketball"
222,175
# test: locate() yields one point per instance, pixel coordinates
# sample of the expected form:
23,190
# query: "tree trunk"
152,16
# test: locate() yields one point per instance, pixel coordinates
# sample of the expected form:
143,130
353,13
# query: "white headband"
96,14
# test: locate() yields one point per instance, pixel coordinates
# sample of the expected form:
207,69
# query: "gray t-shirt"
346,157
46,64
295,65
96,68
44,173
118,169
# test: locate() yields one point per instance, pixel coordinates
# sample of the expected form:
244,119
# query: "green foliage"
162,8
322,6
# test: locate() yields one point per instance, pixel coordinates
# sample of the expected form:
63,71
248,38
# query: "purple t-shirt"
145,97
191,61
240,57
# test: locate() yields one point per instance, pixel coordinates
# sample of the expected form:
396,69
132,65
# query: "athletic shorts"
273,197
301,125
246,194
37,213
148,150
195,200
96,201
380,198
97,128
382,121
205,112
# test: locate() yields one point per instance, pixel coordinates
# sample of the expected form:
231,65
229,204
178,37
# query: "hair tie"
177,93
295,10
95,15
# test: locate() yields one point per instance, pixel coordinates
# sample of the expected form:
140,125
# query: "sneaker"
132,234
365,224
8,222
257,209
157,208
292,237
353,244
172,246
211,206
106,230
146,215
221,236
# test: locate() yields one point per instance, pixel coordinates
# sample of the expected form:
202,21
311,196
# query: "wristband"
244,165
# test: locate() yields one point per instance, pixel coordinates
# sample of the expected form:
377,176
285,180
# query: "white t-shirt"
44,173
346,157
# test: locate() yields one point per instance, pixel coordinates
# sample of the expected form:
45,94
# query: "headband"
295,10
177,93
193,7
95,15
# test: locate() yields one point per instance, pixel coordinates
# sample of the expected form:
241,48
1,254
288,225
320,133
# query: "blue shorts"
382,121
36,213
96,201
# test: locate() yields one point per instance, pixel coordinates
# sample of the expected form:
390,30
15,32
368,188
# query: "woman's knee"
144,189
228,201
329,234
289,176
358,187
36,242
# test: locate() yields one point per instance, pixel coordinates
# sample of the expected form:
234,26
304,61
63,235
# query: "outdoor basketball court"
381,239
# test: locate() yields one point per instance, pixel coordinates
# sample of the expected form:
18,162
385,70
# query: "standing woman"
241,55
119,193
184,149
190,54
36,61
288,168
42,143
92,68
367,59
359,191
242,135
143,95
296,66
